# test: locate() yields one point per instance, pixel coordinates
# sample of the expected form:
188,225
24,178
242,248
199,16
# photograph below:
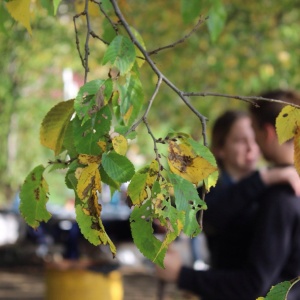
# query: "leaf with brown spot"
89,181
184,162
297,149
287,122
34,196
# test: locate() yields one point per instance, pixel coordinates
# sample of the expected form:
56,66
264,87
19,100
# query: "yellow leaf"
152,173
297,149
128,114
20,11
86,159
88,181
286,123
120,144
105,239
185,163
211,180
54,125
102,145
78,173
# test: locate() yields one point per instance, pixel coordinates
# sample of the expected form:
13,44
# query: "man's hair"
268,111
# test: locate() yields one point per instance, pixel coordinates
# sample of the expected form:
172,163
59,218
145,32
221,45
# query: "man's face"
261,138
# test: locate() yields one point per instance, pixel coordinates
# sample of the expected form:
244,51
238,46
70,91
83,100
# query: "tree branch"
77,38
87,38
249,99
201,21
113,24
135,125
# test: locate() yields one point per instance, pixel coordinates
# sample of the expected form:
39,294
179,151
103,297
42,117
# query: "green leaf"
107,6
202,151
91,228
87,135
34,196
190,9
132,98
136,188
175,218
114,185
121,54
142,233
70,179
55,5
85,99
68,142
123,130
108,31
187,200
279,291
217,18
139,55
117,166
85,224
55,124
48,5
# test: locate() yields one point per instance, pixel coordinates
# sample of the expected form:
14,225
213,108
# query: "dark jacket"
272,253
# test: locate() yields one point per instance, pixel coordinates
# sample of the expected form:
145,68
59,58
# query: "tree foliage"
89,135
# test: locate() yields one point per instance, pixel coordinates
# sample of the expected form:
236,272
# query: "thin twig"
157,155
94,35
87,38
113,24
249,99
135,125
201,21
77,38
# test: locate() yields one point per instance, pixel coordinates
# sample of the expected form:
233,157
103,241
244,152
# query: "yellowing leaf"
88,181
286,123
297,149
86,159
185,163
120,144
55,124
152,173
20,11
78,172
102,145
128,114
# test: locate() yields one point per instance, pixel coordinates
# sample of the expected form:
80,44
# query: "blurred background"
258,49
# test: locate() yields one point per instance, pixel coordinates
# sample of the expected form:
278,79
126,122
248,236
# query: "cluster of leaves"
92,147
89,137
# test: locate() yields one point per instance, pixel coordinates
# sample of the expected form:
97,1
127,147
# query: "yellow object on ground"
82,284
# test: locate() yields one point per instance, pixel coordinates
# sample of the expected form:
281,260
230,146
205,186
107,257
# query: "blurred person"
235,225
232,204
